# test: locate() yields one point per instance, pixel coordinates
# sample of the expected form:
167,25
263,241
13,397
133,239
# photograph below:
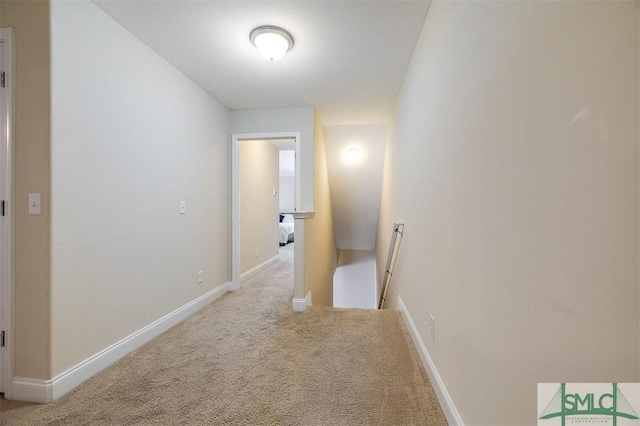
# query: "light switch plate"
183,207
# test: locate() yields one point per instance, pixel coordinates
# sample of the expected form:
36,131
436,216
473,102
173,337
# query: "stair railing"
394,248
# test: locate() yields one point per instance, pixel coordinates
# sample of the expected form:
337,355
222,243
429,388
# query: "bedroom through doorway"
266,199
287,192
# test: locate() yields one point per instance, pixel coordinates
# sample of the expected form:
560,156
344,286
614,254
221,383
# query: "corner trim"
257,269
7,192
449,408
301,305
44,391
30,390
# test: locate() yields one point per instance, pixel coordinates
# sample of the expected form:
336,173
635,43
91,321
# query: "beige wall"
390,211
258,204
30,20
131,138
320,248
514,164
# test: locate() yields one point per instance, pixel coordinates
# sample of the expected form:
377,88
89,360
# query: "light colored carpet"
6,405
247,359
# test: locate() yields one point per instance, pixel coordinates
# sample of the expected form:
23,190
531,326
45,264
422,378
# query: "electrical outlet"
35,201
432,326
200,277
257,252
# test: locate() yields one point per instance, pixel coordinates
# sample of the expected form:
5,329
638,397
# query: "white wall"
287,181
354,282
514,163
276,120
258,203
287,194
131,137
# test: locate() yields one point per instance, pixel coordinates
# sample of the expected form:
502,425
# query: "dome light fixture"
272,42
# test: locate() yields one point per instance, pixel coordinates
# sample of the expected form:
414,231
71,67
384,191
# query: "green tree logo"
613,404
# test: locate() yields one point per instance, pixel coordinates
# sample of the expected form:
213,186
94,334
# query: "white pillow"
288,218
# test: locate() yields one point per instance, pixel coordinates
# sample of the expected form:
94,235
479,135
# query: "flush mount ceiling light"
272,42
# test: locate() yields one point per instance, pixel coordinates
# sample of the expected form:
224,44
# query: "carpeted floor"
247,359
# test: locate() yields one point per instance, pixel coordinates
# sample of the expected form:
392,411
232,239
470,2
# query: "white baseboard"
301,305
43,391
30,390
256,270
450,411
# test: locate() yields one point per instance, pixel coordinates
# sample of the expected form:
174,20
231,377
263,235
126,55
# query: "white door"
6,134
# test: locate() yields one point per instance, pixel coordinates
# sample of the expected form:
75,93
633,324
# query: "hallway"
247,359
504,134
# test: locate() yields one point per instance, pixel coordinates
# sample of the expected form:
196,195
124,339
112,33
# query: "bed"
286,229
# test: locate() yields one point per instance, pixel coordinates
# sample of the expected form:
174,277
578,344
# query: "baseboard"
256,270
43,391
301,305
450,411
30,390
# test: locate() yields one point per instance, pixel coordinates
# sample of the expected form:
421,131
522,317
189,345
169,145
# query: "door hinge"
2,82
2,205
2,339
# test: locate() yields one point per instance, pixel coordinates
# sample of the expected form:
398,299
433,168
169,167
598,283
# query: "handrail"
394,248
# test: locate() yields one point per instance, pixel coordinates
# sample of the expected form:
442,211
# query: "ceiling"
348,60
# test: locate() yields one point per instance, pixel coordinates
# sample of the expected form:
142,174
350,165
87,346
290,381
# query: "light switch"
183,207
35,204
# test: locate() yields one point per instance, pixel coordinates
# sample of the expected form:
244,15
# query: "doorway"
6,203
242,208
261,196
286,200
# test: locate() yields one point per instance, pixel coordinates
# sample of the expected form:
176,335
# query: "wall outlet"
200,277
257,252
432,326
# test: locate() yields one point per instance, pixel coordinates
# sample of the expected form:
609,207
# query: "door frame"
6,222
236,138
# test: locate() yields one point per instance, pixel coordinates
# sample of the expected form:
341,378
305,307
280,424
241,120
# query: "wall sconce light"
352,155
